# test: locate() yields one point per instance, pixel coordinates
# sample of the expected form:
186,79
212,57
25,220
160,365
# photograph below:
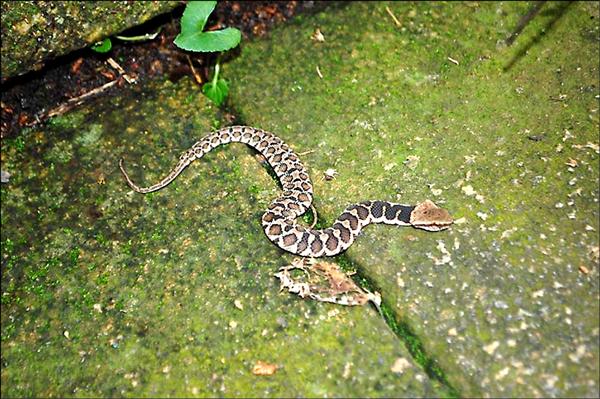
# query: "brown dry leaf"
324,282
400,365
264,368
339,282
318,36
572,163
76,65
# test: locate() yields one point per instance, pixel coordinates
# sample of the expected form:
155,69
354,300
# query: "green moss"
67,121
31,33
491,135
61,153
147,290
90,136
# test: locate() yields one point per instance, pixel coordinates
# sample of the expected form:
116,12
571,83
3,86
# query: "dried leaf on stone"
264,368
324,282
318,36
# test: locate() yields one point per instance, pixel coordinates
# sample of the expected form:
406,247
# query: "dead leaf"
264,368
317,36
572,162
400,365
324,282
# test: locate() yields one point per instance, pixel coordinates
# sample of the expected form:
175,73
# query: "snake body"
279,220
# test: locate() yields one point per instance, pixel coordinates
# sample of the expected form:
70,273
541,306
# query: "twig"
75,101
121,71
452,60
196,75
398,24
319,72
147,36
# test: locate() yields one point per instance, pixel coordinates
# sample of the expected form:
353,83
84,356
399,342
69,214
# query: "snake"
280,222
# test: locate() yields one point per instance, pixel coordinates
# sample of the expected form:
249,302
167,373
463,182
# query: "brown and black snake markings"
279,221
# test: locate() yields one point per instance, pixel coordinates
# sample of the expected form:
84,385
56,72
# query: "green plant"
103,47
192,38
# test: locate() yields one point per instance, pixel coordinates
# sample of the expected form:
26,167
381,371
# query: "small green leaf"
195,16
219,40
103,47
217,92
192,23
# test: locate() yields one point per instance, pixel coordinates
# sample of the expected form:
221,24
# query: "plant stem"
216,75
217,68
147,36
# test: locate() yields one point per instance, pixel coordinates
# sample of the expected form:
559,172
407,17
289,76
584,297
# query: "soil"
29,99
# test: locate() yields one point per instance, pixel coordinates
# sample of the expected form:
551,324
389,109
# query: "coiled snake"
279,221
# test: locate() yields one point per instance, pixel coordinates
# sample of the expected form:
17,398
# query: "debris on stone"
324,282
507,233
572,163
594,252
238,304
578,354
567,135
318,36
319,72
584,269
538,293
330,174
446,255
469,191
264,368
491,348
436,191
452,60
391,14
400,365
389,166
400,282
4,176
502,373
412,161
589,144
347,368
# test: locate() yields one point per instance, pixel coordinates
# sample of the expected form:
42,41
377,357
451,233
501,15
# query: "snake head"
428,216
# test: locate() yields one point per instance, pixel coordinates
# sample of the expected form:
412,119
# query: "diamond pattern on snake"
279,220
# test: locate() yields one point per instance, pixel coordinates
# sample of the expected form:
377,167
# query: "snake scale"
279,220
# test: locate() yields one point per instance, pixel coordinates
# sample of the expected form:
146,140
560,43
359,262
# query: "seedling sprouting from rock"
192,38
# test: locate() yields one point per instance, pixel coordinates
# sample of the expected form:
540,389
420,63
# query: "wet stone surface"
33,32
505,138
106,292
